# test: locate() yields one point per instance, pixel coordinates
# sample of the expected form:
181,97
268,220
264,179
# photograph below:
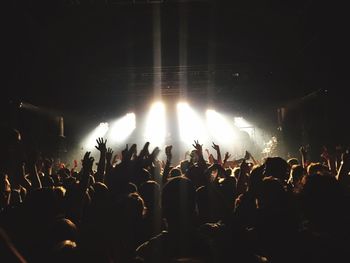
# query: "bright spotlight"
122,128
243,125
99,131
155,130
220,128
191,126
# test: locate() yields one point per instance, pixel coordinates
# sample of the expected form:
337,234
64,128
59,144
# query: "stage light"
99,131
122,128
220,128
191,126
155,129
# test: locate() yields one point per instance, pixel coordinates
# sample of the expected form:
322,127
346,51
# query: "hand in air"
216,147
168,152
87,162
101,145
109,155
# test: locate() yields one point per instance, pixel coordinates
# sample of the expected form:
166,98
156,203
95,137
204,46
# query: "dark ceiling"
74,55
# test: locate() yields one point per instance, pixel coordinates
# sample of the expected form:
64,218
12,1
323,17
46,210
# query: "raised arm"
242,179
33,173
330,161
343,172
227,156
303,153
101,167
216,147
250,156
109,164
199,150
75,209
86,171
169,156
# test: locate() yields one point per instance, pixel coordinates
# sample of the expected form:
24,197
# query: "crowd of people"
204,209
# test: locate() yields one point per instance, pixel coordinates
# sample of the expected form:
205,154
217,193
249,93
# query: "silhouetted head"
255,178
65,251
132,208
271,194
63,173
62,229
323,200
150,193
236,171
184,165
100,191
178,200
143,176
317,168
292,161
276,167
174,172
228,172
296,174
195,174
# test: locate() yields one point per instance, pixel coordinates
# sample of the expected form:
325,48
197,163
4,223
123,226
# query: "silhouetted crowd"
133,207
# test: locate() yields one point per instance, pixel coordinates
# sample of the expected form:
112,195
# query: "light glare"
244,125
123,127
99,131
155,130
191,126
220,128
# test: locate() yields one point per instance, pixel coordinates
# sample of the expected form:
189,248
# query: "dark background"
90,60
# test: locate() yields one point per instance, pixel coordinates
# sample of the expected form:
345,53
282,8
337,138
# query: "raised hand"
216,147
87,162
343,172
198,147
168,151
109,155
227,156
325,154
303,150
125,152
218,153
128,153
346,157
155,153
144,152
101,145
247,155
48,163
244,166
